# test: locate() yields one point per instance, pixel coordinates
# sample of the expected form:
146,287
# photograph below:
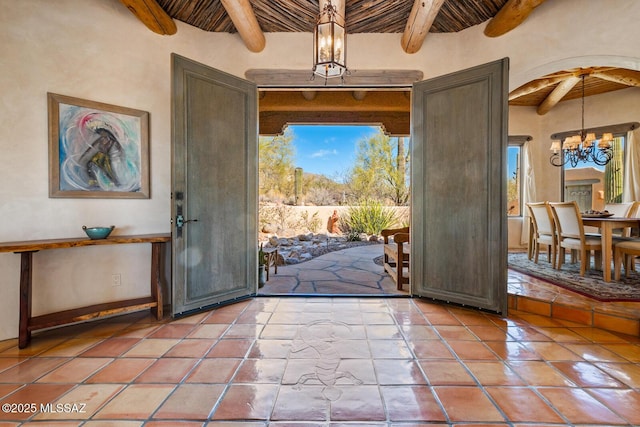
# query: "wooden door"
458,178
214,185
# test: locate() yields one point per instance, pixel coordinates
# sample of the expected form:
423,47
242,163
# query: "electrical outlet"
116,280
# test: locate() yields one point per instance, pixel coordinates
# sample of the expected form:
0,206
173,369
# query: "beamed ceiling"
362,16
367,96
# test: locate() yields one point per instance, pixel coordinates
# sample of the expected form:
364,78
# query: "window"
514,175
514,183
593,186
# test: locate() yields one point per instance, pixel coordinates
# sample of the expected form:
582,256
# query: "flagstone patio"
344,272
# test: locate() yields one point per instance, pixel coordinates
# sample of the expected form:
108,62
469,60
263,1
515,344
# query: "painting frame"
97,150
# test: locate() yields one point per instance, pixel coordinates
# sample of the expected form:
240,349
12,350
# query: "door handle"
180,221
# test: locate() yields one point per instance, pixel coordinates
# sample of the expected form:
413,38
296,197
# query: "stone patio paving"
344,272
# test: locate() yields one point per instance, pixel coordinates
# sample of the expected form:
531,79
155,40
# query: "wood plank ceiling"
362,16
415,19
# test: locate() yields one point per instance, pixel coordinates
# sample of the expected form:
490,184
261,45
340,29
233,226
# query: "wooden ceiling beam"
359,95
557,94
422,15
245,21
152,15
309,95
535,86
512,14
620,75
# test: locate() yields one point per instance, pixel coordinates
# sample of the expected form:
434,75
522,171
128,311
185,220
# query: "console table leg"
156,289
24,334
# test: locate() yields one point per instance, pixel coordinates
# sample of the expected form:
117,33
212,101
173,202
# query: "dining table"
607,224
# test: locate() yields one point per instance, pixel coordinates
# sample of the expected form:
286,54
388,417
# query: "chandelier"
329,49
583,147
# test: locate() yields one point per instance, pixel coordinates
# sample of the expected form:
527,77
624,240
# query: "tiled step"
530,295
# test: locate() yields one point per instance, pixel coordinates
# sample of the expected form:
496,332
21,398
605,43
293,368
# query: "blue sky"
331,150
512,161
328,150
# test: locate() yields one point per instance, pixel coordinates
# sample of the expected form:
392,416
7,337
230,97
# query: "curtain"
631,179
528,190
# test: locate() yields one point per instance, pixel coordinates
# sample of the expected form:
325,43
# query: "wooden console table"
26,250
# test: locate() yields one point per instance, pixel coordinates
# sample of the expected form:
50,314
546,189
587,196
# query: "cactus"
613,174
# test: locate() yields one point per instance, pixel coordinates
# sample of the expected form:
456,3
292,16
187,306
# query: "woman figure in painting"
98,151
98,161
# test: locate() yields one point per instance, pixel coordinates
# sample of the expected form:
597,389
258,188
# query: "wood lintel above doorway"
376,79
392,124
368,97
391,109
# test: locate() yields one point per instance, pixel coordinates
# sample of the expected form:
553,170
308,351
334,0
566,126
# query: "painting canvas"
97,150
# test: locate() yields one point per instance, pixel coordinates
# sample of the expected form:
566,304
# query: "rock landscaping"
303,247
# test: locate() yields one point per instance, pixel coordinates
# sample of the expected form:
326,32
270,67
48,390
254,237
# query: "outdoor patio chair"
571,235
544,231
396,254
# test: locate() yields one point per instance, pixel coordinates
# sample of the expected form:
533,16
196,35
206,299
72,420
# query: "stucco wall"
98,50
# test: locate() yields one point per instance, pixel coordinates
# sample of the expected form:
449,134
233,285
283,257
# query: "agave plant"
369,216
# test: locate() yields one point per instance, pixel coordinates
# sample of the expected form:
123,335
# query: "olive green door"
458,179
214,184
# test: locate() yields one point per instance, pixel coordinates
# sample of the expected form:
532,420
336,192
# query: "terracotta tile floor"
353,272
324,361
335,361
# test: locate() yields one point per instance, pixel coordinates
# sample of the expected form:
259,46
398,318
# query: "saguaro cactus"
613,174
297,185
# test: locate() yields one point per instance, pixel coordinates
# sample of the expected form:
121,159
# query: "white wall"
98,50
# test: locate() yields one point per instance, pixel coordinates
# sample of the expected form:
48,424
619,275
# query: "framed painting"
97,150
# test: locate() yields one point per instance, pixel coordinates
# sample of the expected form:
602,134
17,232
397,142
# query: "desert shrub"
352,236
369,216
312,223
287,218
321,197
280,215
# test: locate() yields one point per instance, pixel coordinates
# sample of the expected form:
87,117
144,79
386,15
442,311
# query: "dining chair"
627,234
626,251
630,260
571,235
544,231
634,212
621,210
